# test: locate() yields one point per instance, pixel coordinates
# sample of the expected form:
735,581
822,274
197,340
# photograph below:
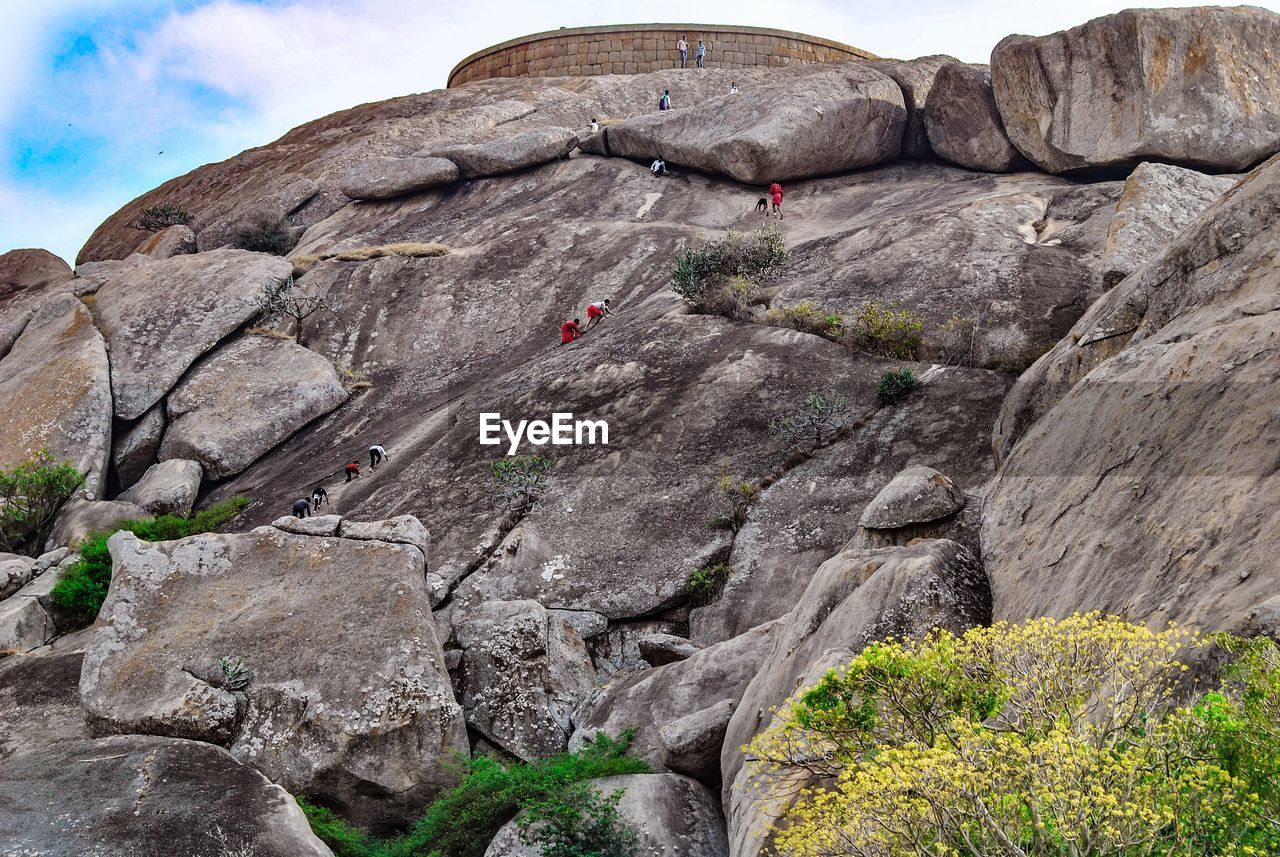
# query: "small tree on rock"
520,481
283,300
719,276
818,418
579,821
157,217
30,496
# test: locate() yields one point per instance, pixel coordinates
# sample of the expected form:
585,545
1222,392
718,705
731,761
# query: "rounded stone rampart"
639,48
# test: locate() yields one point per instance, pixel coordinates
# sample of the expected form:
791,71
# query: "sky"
102,100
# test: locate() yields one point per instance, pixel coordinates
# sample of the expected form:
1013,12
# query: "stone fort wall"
639,48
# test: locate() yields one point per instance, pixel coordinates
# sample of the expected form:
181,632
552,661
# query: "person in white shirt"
595,126
658,168
733,88
597,311
376,454
683,47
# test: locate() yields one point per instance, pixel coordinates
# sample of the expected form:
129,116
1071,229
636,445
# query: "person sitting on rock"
376,453
319,497
658,168
595,125
569,331
301,508
353,470
664,103
597,311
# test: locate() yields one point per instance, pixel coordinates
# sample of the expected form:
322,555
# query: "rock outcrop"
177,240
1197,87
244,399
143,796
915,78
917,495
1158,200
40,702
159,317
167,488
77,518
518,152
137,447
801,124
1137,474
962,122
15,571
266,207
56,390
857,597
524,671
384,178
26,278
352,706
675,817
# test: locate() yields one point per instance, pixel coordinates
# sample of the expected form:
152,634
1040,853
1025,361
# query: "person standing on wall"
683,47
702,52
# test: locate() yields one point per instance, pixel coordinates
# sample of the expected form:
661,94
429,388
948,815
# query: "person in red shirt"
352,470
569,331
775,191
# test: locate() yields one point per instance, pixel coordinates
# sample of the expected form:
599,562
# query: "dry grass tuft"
269,332
411,249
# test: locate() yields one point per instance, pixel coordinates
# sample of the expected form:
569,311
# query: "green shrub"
895,385
702,585
30,496
808,318
490,792
719,276
156,217
265,235
579,822
740,494
83,587
885,329
519,481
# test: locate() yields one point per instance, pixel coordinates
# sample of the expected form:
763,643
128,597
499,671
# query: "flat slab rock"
244,399
384,177
349,700
518,152
144,796
160,316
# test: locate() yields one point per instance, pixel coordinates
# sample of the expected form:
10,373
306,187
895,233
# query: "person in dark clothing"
376,454
352,470
319,497
301,508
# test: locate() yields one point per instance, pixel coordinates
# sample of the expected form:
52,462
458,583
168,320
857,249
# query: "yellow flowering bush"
1054,737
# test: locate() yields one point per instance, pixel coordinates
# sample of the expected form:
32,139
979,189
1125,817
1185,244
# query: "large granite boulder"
917,495
857,597
144,796
26,277
1196,87
167,488
159,317
348,701
962,122
524,671
1138,474
25,623
1158,200
136,448
495,157
915,78
15,571
674,815
680,710
244,399
798,124
56,390
40,702
77,518
384,178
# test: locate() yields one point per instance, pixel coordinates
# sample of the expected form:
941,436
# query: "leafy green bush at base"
490,792
83,587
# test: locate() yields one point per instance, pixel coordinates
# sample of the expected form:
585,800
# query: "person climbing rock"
376,453
569,331
301,508
319,497
352,470
733,88
702,52
664,103
775,193
597,311
683,47
658,168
